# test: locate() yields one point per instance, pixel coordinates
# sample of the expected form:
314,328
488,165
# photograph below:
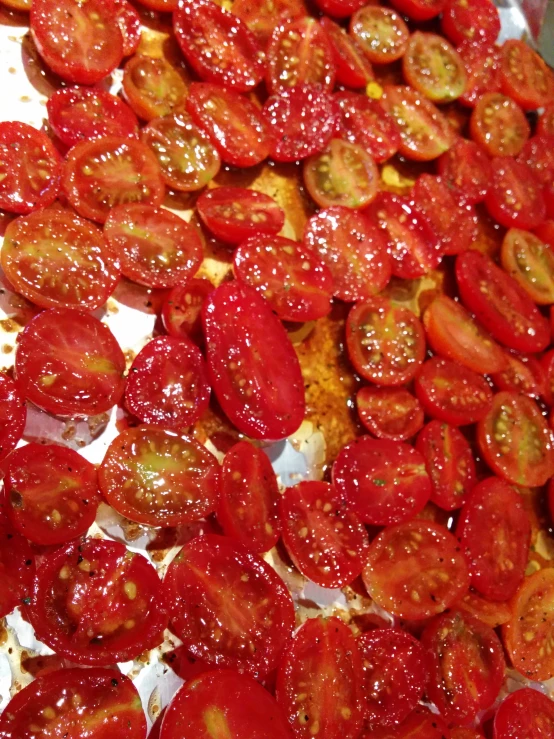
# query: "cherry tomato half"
182,309
525,75
499,125
433,67
389,413
364,122
470,20
17,568
13,415
152,86
381,32
531,263
525,714
466,169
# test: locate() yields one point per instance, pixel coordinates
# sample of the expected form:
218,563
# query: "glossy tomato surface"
13,415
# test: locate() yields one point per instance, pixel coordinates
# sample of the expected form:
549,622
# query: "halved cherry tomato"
531,263
152,86
224,703
155,247
381,33
83,113
419,10
451,392
452,219
389,413
319,681
218,45
105,172
449,463
545,232
228,606
353,249
529,633
385,344
412,243
459,732
56,259
492,613
499,125
263,16
466,665
364,122
17,569
187,159
424,131
233,123
466,168
545,124
13,415
98,703
501,305
525,75
325,539
303,121
234,214
470,20
384,482
80,43
339,8
523,374
299,52
51,493
538,154
252,364
433,67
395,669
420,724
482,65
164,6
352,67
495,532
182,309
415,570
342,174
524,714
159,477
248,508
69,364
29,168
546,384
295,282
129,23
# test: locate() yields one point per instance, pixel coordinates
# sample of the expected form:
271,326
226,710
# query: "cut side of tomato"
381,32
17,569
499,125
433,67
352,67
153,87
263,16
516,199
525,714
234,214
419,10
525,76
13,415
482,65
364,122
531,263
524,374
389,413
470,20
466,169
182,309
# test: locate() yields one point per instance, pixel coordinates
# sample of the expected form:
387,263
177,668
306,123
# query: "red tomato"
57,260
13,415
449,463
252,365
525,75
98,703
96,603
51,493
381,33
385,344
299,53
384,482
389,413
395,669
109,171
452,219
545,124
303,121
492,613
326,541
424,131
69,364
182,309
433,67
80,43
452,393
224,703
84,113
262,16
158,477
17,569
339,8
467,665
545,385
364,122
29,168
155,247
545,232
525,714
470,20
501,305
495,531
186,157
129,23
228,606
165,6
353,249
531,263
319,681
412,243
499,125
419,10
529,631
452,333
153,87
218,45
466,169
420,724
459,732
352,67
415,570
515,440
482,64
234,214
234,125
249,501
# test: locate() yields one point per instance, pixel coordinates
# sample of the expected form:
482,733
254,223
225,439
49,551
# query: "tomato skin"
499,125
129,24
322,657
531,263
545,232
13,415
108,706
152,86
545,124
420,724
482,64
234,214
381,32
203,584
182,309
525,76
262,16
389,413
515,177
524,714
364,122
433,67
17,568
353,69
266,360
339,8
492,613
476,21
419,10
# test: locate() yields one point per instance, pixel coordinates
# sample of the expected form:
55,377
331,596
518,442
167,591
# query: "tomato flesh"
17,569
152,86
233,214
389,413
434,68
13,415
364,122
525,714
499,125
